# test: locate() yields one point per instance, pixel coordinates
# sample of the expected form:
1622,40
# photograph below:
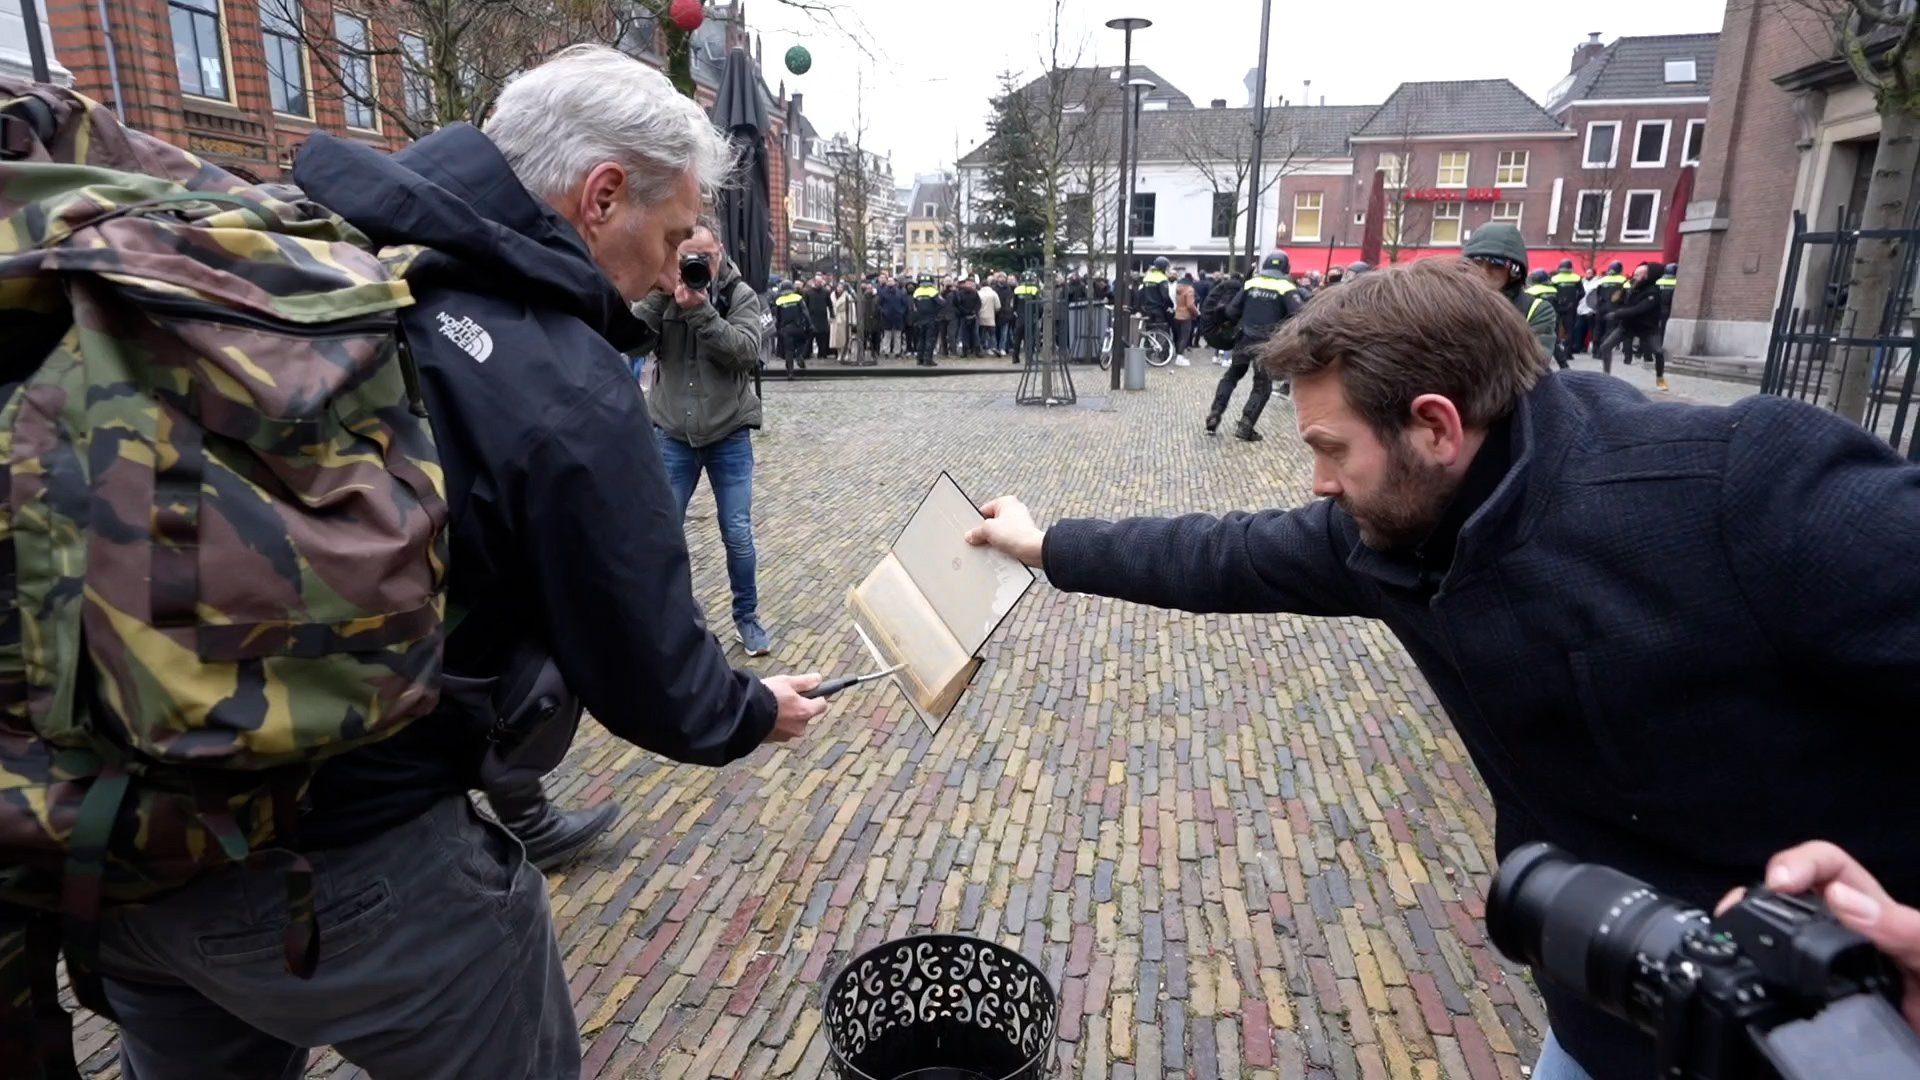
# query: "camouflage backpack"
222,549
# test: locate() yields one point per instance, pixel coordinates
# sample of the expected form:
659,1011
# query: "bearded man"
1675,639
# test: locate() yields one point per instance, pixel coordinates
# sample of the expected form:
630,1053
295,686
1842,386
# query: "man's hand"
1858,901
1009,527
796,712
688,299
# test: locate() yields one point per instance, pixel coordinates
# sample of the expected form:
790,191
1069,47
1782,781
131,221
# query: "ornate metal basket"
941,1007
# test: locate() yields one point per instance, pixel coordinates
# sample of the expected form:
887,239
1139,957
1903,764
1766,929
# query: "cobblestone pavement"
1242,846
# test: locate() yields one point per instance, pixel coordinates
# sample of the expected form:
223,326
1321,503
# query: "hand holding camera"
696,277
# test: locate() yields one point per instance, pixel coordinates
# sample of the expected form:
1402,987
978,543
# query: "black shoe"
1213,423
550,836
1245,433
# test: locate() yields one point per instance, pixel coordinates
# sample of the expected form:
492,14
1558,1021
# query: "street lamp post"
1126,25
1141,88
1259,140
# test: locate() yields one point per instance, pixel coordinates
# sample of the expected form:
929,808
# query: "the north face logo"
467,334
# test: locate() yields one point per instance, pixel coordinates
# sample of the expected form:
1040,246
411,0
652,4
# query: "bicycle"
1157,341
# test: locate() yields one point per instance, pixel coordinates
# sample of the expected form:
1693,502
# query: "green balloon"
799,59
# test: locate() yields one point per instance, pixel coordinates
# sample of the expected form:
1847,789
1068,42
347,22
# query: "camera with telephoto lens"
696,271
1774,987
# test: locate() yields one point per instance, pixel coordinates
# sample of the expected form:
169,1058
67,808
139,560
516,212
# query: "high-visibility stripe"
1667,282
788,299
1273,284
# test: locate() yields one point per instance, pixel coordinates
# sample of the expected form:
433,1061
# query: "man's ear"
1435,430
604,189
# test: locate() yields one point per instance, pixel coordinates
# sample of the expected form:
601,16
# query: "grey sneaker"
753,636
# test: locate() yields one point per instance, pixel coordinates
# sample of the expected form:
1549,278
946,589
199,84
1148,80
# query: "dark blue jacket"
893,307
1674,639
553,478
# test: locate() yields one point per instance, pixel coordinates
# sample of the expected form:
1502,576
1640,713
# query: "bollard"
1135,375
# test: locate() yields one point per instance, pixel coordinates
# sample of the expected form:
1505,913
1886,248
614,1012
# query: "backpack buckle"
16,137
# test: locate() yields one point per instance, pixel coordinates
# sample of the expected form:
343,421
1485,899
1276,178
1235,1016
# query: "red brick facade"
243,132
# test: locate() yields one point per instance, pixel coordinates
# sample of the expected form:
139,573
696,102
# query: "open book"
934,600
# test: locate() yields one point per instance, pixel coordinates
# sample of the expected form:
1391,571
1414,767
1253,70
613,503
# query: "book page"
899,624
970,588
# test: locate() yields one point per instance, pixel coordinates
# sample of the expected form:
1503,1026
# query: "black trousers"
796,348
927,335
1652,343
1262,386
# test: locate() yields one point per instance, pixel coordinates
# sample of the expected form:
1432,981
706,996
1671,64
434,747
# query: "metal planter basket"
941,1007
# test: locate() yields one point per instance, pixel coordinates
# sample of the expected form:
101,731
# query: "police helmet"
1357,267
1538,277
1162,263
1278,263
1566,264
1614,267
1672,269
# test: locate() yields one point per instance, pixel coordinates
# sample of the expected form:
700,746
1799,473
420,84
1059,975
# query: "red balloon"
687,15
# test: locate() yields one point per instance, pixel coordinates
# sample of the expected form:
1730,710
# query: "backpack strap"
36,1032
80,885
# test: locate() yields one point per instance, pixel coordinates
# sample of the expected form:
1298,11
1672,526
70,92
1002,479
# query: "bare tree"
1593,217
862,184
1224,158
1879,40
953,232
1408,219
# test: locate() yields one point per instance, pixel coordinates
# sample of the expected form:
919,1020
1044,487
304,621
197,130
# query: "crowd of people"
832,317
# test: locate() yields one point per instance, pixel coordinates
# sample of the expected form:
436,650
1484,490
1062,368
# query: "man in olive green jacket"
704,408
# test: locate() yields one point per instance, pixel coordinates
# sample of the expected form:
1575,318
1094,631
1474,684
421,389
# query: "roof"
1313,131
929,191
1468,107
1636,67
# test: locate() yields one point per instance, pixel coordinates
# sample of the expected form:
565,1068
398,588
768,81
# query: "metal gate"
1814,337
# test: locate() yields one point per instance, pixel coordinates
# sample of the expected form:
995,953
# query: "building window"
1306,217
1512,169
929,210
198,49
1360,218
1590,214
1140,222
1224,205
1636,225
1508,210
1696,142
1079,215
1453,169
416,89
356,70
286,65
1650,143
1680,70
1395,166
1390,223
1601,137
1446,224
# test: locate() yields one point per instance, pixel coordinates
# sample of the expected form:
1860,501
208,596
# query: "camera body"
696,271
1774,987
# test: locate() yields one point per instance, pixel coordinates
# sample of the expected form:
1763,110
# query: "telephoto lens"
696,272
1590,928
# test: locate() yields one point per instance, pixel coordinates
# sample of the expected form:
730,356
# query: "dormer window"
1681,71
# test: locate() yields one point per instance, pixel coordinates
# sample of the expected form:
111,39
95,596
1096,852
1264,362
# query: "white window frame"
1523,164
1458,217
345,56
1693,69
1606,212
1666,137
928,210
1653,217
1686,140
1319,209
1397,176
1586,145
1466,166
1493,212
1359,217
232,94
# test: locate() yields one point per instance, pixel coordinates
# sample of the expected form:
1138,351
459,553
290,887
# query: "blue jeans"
729,466
1556,1064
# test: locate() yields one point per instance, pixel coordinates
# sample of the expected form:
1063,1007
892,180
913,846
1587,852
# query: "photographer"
703,405
1674,639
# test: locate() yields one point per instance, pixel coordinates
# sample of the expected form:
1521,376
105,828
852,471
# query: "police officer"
1568,288
794,325
1611,286
1026,300
1268,299
1668,282
1540,289
927,313
1154,298
1502,255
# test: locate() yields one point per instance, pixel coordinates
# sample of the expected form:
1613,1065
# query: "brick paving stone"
1267,819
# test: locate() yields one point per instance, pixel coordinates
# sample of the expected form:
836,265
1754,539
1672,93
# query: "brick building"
1789,128
1588,177
238,82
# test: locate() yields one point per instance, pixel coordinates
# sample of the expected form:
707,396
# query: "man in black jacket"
437,956
1674,639
820,316
1639,319
966,312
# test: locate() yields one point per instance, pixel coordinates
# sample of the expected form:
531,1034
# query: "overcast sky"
933,66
